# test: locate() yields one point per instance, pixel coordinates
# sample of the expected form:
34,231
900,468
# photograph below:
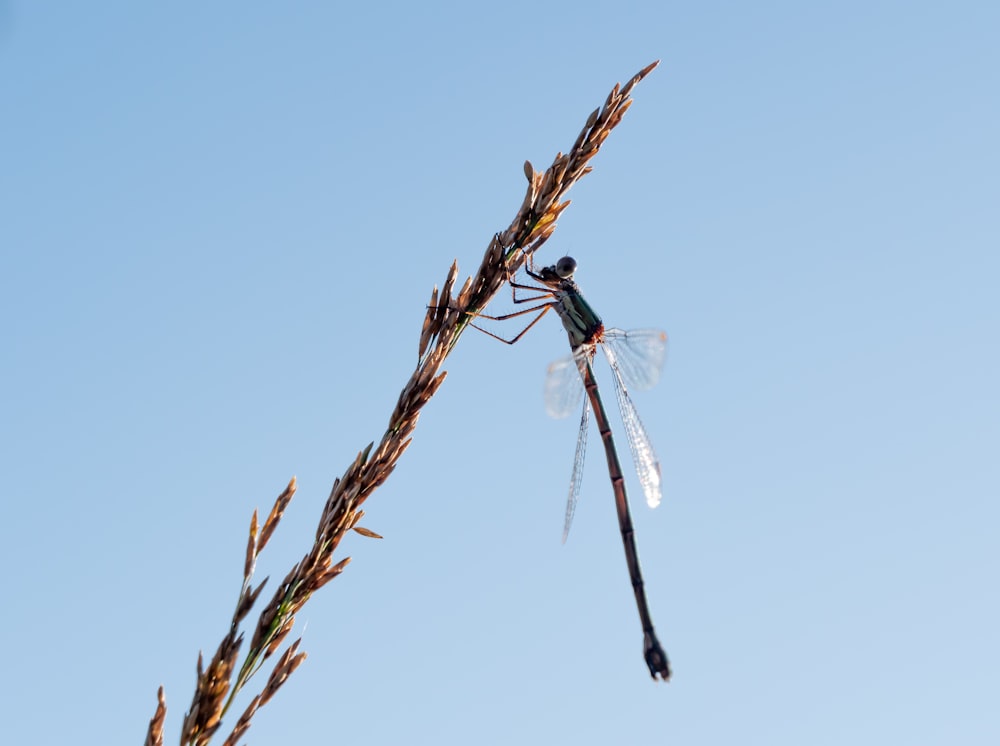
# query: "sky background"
220,224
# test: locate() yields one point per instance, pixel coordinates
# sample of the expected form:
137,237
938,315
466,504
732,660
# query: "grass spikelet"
446,317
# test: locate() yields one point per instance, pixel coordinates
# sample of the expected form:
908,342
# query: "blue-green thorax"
581,322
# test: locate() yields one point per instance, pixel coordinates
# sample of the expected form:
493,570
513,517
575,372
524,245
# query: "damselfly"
636,358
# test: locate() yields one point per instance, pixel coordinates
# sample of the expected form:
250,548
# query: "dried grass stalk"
446,318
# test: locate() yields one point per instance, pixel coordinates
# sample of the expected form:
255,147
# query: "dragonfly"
636,358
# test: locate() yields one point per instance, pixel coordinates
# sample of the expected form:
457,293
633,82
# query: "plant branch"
446,318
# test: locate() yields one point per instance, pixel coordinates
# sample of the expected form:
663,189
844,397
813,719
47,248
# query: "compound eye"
565,267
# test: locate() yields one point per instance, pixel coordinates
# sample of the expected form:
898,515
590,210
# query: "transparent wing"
577,478
647,466
564,384
640,354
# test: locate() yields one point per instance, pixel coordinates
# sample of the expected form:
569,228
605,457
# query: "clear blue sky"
220,224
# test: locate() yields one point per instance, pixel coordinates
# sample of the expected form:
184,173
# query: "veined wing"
564,384
639,353
647,466
577,478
